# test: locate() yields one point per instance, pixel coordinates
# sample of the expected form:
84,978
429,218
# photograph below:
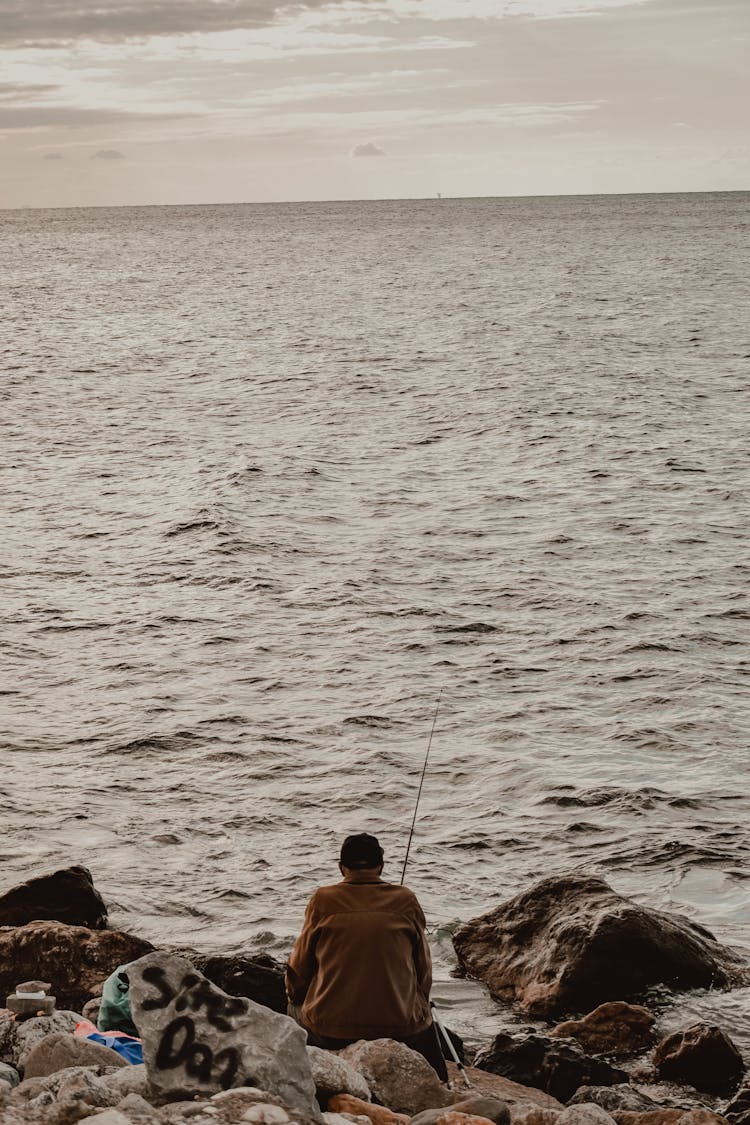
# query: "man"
361,967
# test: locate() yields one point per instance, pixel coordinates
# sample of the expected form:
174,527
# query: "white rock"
334,1075
199,1040
585,1114
266,1114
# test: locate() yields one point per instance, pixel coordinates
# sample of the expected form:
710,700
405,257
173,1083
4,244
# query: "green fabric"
114,1013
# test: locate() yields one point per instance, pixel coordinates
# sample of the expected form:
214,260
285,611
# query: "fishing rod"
421,783
448,1042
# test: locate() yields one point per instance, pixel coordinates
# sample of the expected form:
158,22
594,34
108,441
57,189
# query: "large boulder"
258,976
614,1028
66,896
75,959
703,1057
571,943
584,1114
397,1076
557,1066
199,1040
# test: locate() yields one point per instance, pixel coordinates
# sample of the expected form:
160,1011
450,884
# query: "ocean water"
275,478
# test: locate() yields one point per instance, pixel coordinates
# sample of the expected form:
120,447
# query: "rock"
571,943
455,1117
135,1107
257,976
491,1109
496,1086
75,959
378,1114
90,1010
198,1040
557,1066
614,1028
17,1039
333,1075
397,1076
128,1080
112,1117
613,1098
9,1074
585,1114
703,1057
59,1051
82,1086
662,1115
523,1113
66,896
738,1110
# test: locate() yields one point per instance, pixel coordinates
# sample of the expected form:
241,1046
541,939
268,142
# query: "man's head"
361,852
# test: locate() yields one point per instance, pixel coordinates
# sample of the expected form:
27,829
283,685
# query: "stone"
198,1040
112,1117
622,1096
497,1086
75,959
491,1109
738,1109
377,1114
9,1074
523,1113
68,895
585,1114
557,1066
662,1115
702,1056
135,1107
615,1028
571,943
257,976
396,1075
17,1039
59,1051
333,1075
455,1117
127,1080
90,1010
81,1085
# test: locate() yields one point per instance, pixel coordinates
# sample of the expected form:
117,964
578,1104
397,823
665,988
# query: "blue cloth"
130,1049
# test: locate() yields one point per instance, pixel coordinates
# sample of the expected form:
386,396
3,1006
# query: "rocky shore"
218,1047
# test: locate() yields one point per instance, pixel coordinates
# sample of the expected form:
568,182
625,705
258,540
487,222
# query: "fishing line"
421,783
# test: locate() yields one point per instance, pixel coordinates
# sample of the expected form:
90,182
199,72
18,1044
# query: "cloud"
368,149
107,154
52,22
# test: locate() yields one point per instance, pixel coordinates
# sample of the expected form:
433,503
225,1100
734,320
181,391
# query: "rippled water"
273,477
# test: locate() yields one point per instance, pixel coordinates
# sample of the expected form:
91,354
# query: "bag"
131,1049
114,1013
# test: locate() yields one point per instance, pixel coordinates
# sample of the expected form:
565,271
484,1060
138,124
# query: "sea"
289,489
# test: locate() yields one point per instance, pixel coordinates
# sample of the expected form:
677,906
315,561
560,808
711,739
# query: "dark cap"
360,852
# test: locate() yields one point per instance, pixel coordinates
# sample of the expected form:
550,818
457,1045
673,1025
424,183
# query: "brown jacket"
361,967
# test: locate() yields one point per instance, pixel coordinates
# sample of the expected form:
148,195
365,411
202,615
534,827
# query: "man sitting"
361,967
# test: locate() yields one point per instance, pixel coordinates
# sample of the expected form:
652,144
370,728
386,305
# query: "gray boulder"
571,943
477,1106
397,1076
199,1040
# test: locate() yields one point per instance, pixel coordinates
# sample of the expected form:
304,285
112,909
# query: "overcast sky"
191,101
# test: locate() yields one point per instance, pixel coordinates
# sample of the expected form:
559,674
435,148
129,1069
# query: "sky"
107,102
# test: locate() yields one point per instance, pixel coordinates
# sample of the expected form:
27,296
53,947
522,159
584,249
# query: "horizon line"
437,198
